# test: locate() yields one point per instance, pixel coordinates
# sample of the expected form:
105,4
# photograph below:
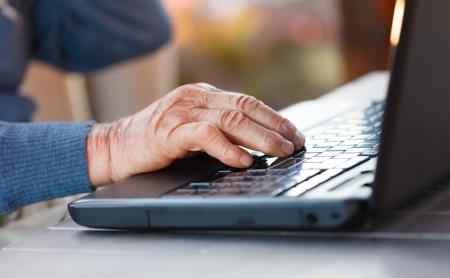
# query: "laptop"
361,163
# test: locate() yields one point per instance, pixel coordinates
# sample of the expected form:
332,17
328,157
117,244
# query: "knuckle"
231,119
207,131
188,90
183,96
284,125
176,93
247,103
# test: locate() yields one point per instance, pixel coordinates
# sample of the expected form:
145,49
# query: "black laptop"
359,164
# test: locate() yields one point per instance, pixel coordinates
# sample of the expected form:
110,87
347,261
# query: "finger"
208,87
209,138
255,110
243,131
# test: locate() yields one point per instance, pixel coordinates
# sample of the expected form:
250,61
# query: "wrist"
98,155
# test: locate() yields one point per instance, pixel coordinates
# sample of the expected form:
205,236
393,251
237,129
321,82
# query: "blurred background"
281,51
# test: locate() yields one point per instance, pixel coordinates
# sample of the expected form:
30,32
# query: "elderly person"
42,161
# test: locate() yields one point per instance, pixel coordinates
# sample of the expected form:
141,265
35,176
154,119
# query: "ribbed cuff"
42,161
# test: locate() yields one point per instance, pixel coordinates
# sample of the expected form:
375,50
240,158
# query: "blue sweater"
42,161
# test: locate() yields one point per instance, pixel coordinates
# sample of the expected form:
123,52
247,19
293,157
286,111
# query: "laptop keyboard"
331,149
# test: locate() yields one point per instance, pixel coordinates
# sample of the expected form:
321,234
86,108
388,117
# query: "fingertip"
238,158
299,140
287,147
291,133
288,127
246,160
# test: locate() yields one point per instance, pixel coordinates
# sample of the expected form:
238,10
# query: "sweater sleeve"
41,161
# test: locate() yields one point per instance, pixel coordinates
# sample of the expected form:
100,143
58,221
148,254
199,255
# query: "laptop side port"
325,218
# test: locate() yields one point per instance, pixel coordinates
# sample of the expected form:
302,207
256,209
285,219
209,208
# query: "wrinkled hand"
191,118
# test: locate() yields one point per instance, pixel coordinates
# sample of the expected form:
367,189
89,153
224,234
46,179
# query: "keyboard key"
356,150
292,181
331,173
316,150
236,175
324,136
318,159
328,144
371,130
220,183
356,121
362,137
336,131
351,142
353,162
206,190
286,165
273,179
243,183
346,155
309,155
344,126
199,184
357,128
340,148
331,163
372,137
186,190
371,153
350,133
366,145
330,153
304,174
373,118
257,170
339,138
309,166
314,142
234,179
308,185
233,188
224,171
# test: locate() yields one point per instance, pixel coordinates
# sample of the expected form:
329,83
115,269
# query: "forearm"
41,161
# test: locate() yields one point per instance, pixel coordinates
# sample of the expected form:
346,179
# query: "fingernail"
287,147
299,140
246,160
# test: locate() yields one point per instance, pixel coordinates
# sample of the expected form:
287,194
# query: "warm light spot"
397,22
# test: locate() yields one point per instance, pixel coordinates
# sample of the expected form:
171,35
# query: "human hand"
197,117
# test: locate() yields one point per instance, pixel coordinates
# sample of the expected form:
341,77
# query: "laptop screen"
415,143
